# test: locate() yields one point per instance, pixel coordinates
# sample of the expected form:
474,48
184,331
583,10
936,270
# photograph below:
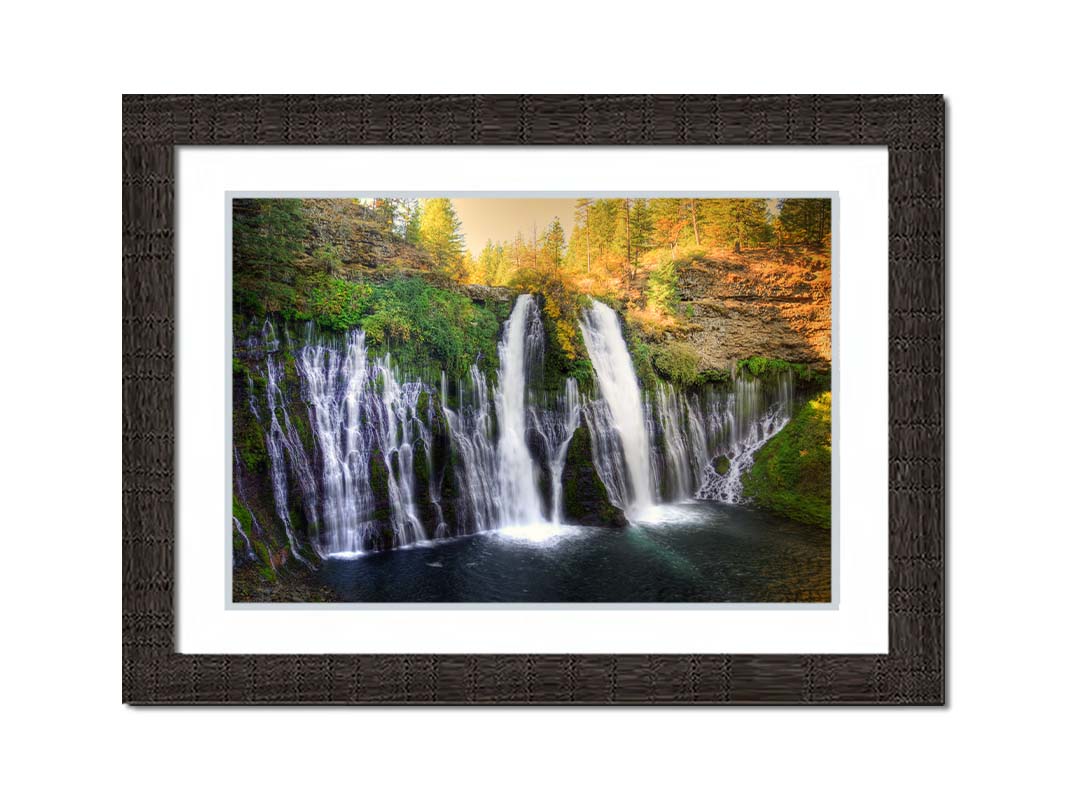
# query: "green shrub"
337,304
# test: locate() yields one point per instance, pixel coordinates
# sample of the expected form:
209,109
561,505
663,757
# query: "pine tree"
603,221
670,219
582,208
739,221
806,220
490,266
412,216
641,228
267,234
554,245
439,233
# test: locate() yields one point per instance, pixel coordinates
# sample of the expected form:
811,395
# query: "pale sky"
500,218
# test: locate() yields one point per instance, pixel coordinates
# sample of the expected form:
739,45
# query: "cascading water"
608,456
284,443
471,435
556,423
396,411
239,488
333,390
434,480
621,422
360,411
358,472
521,346
677,447
744,424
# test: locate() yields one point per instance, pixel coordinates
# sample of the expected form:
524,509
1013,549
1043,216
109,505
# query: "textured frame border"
913,129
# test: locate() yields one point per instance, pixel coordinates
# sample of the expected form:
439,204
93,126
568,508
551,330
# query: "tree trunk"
693,212
588,251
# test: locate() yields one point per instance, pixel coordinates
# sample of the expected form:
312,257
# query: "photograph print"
531,399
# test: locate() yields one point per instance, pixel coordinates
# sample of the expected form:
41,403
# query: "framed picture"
647,407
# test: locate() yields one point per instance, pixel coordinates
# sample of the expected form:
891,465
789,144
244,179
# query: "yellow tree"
439,233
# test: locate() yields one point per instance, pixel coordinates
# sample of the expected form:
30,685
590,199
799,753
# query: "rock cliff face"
369,256
766,303
352,232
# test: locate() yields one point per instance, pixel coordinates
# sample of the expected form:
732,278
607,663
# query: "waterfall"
397,407
283,444
744,423
471,434
357,472
671,411
361,411
556,423
333,390
607,453
249,553
621,420
521,347
433,480
238,483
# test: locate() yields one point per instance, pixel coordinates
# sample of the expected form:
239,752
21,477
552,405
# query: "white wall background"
64,69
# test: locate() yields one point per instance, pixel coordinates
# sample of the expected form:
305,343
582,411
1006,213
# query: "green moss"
585,498
757,366
303,429
677,362
289,361
379,484
296,513
242,514
721,465
266,571
641,353
420,465
251,442
714,376
791,473
582,371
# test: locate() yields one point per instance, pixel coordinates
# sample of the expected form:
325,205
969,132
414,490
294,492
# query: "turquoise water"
694,552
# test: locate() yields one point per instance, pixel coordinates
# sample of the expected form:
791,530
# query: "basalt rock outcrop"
773,304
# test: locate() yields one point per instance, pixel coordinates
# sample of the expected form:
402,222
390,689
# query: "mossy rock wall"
585,498
791,474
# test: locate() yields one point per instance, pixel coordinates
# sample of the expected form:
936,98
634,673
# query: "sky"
499,218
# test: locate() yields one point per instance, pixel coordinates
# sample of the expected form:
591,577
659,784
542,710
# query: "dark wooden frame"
913,129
